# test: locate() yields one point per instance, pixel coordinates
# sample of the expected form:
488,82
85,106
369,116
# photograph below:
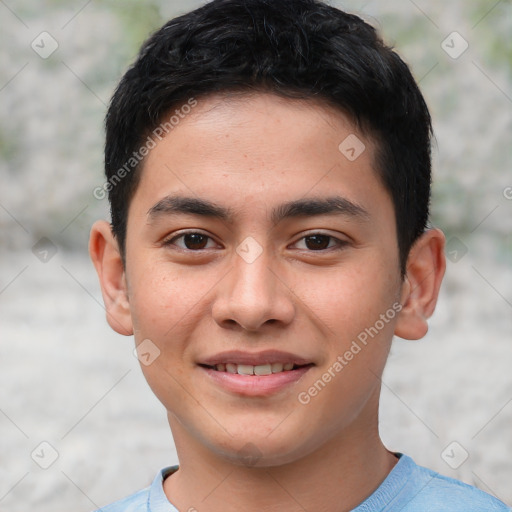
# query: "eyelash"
340,243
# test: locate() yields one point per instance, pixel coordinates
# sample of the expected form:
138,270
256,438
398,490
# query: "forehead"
249,152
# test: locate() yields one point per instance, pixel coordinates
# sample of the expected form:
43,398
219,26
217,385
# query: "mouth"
252,374
259,370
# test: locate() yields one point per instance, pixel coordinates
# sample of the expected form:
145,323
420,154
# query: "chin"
259,449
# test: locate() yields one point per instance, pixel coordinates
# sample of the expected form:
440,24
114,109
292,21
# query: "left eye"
192,241
319,242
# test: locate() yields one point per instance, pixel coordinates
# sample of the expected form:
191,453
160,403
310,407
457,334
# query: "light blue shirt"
407,488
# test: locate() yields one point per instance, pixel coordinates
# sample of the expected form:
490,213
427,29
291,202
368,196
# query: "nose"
252,296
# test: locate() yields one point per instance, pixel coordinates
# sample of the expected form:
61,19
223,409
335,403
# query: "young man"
268,168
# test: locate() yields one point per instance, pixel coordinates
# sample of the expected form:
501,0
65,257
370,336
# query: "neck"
338,476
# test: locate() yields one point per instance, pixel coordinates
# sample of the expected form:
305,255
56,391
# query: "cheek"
163,308
162,299
357,306
349,299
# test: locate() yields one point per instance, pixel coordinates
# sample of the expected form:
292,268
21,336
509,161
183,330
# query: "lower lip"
256,385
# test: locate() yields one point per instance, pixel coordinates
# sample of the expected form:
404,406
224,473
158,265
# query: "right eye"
190,241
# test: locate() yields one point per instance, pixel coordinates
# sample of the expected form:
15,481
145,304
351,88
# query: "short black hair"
294,48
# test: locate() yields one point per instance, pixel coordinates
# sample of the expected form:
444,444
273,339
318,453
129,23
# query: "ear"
426,265
105,254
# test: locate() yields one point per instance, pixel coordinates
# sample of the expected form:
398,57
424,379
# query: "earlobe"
105,255
426,265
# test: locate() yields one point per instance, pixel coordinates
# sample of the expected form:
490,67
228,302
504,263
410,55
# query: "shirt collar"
157,500
391,486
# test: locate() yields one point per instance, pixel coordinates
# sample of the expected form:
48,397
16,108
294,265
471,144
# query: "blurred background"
79,426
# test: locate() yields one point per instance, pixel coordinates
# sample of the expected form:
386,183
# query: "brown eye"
317,242
191,241
194,241
320,242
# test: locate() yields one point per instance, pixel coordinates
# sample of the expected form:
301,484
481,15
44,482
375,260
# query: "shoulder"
137,502
441,493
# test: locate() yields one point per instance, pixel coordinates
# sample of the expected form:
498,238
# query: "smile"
255,374
249,369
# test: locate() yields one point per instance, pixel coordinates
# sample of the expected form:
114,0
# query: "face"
262,265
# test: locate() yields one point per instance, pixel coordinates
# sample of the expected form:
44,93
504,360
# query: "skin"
251,154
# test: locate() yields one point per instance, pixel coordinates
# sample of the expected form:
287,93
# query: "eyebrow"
335,205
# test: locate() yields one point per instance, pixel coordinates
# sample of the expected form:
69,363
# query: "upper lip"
254,358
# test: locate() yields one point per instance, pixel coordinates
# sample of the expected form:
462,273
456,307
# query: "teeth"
248,369
230,368
245,369
277,367
263,369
